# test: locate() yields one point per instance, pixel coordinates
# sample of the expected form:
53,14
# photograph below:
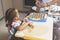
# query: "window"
29,2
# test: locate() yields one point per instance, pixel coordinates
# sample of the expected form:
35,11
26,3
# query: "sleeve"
15,24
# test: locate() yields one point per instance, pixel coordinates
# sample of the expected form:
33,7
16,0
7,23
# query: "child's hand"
25,19
30,25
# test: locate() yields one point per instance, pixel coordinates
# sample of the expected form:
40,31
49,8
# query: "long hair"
10,14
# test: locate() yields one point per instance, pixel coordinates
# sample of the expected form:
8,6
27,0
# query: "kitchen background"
20,5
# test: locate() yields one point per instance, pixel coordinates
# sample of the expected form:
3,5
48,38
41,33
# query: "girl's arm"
21,27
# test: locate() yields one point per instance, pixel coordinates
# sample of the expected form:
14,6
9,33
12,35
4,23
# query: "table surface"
41,31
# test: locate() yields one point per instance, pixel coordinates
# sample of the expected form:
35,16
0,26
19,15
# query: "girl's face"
17,16
17,13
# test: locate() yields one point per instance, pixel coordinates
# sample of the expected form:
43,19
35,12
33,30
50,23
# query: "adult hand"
43,4
38,4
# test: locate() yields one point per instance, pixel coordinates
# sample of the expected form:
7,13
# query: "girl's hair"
9,15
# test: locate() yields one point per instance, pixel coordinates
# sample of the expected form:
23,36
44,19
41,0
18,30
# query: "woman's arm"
52,2
48,3
45,4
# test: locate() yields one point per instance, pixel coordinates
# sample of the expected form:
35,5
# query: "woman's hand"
38,4
43,4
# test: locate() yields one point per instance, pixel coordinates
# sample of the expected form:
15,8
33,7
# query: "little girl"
13,21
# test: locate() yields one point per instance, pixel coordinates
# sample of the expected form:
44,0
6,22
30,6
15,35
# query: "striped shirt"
14,25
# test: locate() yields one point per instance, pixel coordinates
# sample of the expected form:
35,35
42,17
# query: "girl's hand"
31,25
28,23
25,19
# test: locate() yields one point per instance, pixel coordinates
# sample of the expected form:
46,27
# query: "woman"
43,3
